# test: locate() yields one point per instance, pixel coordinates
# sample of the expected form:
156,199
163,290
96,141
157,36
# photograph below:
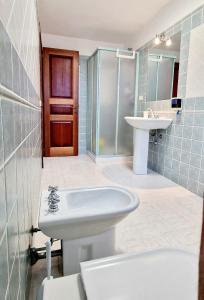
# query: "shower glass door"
92,103
89,104
108,101
126,103
111,97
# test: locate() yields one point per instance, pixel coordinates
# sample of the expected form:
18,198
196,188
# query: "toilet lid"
64,288
162,274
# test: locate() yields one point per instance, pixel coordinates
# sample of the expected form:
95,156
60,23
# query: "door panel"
61,76
61,134
60,101
61,109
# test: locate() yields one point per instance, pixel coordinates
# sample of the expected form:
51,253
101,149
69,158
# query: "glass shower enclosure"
111,97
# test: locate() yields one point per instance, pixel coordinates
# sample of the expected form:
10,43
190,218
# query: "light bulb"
157,40
169,42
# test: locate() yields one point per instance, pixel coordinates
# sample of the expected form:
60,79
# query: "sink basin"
142,126
148,123
85,222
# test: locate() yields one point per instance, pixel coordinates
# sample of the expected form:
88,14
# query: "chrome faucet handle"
53,207
52,189
53,198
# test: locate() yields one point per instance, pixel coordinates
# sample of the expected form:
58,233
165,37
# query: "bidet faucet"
53,199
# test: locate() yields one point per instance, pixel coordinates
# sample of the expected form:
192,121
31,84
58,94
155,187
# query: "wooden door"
60,88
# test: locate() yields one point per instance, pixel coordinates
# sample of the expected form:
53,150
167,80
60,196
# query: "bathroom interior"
102,150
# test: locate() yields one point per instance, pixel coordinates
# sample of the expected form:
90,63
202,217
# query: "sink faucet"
53,199
153,114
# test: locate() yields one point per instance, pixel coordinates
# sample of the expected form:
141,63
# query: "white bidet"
85,222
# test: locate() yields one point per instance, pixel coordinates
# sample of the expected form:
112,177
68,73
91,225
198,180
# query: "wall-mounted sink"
142,126
148,123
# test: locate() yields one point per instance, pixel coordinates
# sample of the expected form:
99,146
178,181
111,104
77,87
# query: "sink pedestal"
87,248
142,126
140,156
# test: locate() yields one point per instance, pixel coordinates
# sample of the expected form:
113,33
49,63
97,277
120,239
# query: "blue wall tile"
20,167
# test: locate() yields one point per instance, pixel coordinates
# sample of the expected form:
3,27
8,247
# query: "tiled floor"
168,215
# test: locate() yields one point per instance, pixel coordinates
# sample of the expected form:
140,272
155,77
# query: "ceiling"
116,21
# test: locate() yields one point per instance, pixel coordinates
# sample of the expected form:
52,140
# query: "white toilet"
156,275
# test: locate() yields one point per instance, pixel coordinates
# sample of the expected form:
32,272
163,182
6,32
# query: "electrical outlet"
141,98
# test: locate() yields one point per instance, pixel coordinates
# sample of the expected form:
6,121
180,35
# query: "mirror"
163,70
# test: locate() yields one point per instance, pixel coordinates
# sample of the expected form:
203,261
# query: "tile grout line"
17,148
14,46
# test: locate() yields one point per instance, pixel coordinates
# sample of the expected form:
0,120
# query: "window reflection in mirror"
163,70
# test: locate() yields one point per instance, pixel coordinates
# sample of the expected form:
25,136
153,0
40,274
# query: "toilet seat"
156,275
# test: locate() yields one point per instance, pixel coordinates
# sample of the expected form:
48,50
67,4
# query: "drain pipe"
48,258
41,253
49,277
